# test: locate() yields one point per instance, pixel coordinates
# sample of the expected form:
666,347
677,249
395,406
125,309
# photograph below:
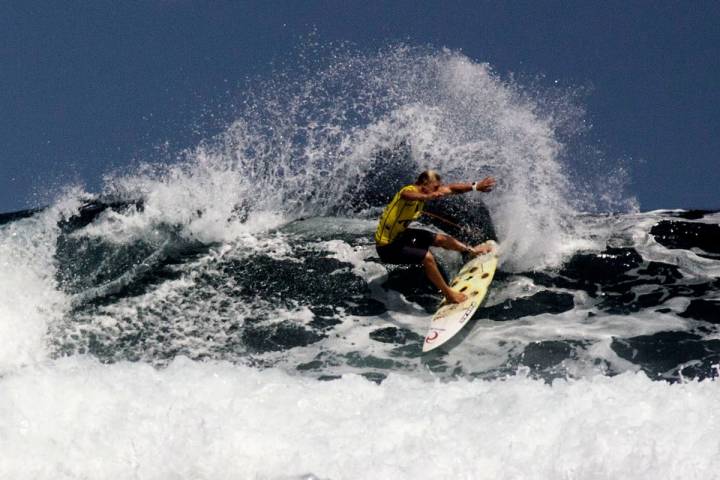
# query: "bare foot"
454,297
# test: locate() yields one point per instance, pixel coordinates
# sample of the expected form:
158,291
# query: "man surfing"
398,244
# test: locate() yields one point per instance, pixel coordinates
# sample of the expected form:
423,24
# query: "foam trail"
75,418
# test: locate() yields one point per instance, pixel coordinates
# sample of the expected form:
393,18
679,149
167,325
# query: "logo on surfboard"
432,336
468,312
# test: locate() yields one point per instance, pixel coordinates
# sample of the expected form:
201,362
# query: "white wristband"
474,186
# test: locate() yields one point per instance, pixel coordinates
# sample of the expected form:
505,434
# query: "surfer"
398,244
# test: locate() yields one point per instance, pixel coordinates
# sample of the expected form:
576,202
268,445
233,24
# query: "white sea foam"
29,298
637,232
76,418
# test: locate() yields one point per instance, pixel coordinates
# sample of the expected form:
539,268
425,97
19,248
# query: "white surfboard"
473,280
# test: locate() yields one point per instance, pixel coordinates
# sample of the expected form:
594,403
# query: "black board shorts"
409,248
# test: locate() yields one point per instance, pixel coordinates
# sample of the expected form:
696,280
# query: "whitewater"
224,314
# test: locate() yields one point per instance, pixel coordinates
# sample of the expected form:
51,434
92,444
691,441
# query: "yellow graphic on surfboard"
473,280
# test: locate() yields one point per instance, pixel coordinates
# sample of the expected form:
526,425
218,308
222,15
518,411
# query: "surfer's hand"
481,249
486,184
436,194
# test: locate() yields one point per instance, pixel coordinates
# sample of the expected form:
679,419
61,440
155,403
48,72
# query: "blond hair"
428,176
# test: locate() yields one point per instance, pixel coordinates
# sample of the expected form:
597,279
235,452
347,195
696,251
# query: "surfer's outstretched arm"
415,196
484,185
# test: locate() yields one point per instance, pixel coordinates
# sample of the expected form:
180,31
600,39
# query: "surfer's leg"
433,273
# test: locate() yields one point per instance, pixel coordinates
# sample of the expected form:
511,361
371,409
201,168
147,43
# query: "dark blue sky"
89,86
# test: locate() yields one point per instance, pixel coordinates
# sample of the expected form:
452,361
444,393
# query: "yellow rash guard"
397,216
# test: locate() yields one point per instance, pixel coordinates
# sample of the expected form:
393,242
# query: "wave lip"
308,144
